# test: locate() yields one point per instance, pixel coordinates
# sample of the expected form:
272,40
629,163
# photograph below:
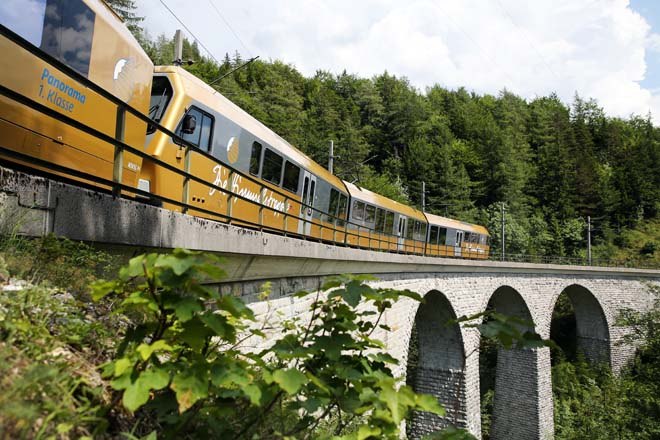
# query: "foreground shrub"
182,370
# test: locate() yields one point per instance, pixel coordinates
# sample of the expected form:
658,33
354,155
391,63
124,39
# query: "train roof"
202,92
455,224
365,195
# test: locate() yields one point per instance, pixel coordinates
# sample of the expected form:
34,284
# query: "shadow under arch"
592,332
436,365
522,402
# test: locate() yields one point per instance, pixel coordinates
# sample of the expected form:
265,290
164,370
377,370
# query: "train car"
80,39
58,53
259,179
453,238
376,222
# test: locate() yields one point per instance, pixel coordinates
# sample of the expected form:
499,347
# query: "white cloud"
593,47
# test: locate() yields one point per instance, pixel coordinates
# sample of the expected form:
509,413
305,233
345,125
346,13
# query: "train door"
307,205
403,221
459,242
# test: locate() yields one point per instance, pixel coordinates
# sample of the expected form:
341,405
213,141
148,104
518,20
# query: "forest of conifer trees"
552,164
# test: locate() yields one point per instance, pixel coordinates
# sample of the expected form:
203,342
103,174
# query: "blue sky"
650,10
608,50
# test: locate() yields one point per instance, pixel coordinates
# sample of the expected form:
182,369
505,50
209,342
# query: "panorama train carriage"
453,238
297,195
377,222
90,39
240,169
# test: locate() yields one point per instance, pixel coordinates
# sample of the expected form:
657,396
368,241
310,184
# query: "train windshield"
161,94
61,28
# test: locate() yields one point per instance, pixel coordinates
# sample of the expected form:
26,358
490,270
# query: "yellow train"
67,55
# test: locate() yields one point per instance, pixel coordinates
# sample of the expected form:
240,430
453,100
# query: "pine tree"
126,10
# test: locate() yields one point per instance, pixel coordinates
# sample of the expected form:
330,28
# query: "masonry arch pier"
436,365
592,335
522,379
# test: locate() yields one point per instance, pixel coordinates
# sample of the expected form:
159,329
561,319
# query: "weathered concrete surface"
47,206
449,357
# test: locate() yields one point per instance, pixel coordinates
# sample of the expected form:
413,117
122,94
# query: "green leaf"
122,365
366,431
177,263
318,382
235,307
147,350
219,325
253,392
184,307
135,266
190,386
102,288
155,378
135,395
63,428
399,402
195,334
122,382
354,291
428,403
213,271
290,380
225,375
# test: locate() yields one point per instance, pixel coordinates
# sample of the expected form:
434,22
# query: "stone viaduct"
446,358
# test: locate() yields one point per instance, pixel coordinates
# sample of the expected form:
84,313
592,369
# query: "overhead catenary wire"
529,40
484,54
190,32
249,52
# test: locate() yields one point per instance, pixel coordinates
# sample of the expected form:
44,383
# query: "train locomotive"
203,154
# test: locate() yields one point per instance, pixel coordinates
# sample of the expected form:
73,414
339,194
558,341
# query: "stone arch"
436,365
522,405
592,327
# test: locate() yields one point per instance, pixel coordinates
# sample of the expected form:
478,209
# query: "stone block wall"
450,371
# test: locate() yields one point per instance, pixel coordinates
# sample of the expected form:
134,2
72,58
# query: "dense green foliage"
160,354
589,402
551,164
185,367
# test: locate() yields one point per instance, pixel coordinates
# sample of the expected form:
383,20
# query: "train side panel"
106,53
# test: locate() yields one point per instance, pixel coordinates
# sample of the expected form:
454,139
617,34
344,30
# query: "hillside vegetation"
551,164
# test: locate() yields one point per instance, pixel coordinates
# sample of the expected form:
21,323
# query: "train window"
380,220
272,167
255,158
201,135
410,229
370,214
28,25
67,33
193,137
161,93
333,205
341,213
291,177
442,238
422,231
358,210
389,222
433,236
206,132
